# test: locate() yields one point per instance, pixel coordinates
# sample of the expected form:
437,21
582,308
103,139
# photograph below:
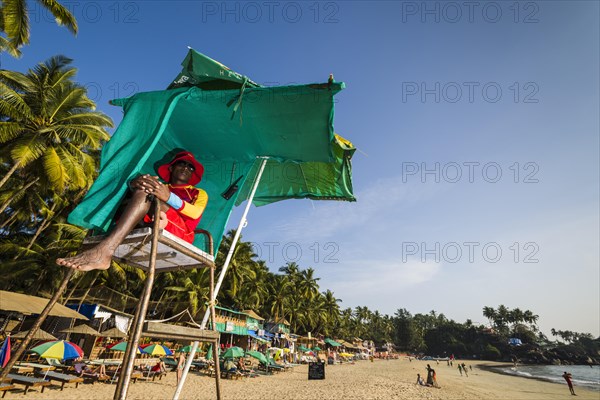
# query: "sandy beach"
393,379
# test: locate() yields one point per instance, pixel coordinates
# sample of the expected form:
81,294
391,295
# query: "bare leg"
99,256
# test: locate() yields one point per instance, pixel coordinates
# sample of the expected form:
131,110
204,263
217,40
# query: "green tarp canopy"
332,342
229,131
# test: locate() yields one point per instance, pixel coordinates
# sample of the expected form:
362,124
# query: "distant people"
99,372
568,378
460,369
470,368
229,366
180,365
465,369
159,367
448,362
420,380
241,366
429,375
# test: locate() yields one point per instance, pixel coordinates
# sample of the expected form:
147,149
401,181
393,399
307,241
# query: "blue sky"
477,174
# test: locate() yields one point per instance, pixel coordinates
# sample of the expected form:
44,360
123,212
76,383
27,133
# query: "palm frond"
16,21
62,15
55,169
27,149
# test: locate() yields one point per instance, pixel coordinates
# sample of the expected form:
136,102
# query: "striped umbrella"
122,346
60,349
5,352
157,350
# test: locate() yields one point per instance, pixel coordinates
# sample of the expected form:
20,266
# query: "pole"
241,225
142,308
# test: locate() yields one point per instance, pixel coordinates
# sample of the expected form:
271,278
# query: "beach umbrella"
5,352
114,332
156,350
316,348
258,355
303,348
82,329
185,349
233,352
122,346
38,335
60,349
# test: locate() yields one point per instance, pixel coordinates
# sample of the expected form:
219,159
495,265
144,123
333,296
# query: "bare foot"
91,259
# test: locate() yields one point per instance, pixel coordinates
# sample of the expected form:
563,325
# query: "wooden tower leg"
214,326
38,323
136,331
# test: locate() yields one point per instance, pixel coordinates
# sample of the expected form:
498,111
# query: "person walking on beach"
465,369
460,369
429,381
568,378
181,209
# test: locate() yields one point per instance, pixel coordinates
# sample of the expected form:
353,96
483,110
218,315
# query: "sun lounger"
169,361
4,387
59,366
199,364
62,378
28,382
154,374
233,374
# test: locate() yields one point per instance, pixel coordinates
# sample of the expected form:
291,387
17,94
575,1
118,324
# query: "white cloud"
373,206
379,278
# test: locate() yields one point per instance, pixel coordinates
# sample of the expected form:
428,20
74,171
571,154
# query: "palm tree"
307,284
14,22
291,269
36,271
490,314
254,292
241,266
48,127
279,286
332,309
190,289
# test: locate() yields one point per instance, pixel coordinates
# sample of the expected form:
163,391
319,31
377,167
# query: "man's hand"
151,185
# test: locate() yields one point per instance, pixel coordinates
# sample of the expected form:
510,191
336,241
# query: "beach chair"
28,382
60,366
62,378
4,387
169,362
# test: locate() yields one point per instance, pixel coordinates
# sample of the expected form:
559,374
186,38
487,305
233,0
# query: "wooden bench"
62,378
4,387
28,382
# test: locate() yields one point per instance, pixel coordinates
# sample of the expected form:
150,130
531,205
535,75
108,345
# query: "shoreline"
497,369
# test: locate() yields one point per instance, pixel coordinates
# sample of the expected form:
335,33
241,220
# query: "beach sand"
392,379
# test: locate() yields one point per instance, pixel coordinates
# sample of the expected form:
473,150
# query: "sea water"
582,375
